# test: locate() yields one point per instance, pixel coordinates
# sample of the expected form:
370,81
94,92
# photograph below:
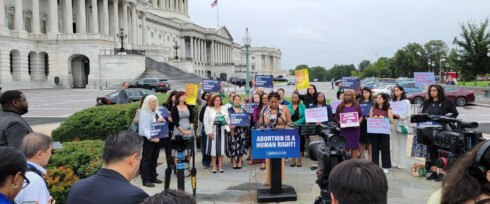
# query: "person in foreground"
121,160
13,166
170,197
37,148
468,179
358,181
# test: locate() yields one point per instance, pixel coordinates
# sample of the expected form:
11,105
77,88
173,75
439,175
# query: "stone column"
171,5
155,3
81,18
95,18
115,7
36,28
5,76
3,25
125,20
134,25
191,47
143,27
211,54
105,16
53,16
19,16
205,55
68,16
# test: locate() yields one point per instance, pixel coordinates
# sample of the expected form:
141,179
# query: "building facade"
76,43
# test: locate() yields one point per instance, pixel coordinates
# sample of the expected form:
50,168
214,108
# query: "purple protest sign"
350,119
378,126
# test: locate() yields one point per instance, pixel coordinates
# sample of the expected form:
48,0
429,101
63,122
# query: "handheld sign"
280,143
250,107
239,119
302,79
163,110
366,108
350,83
350,119
378,126
314,115
212,86
399,107
334,104
424,78
159,130
264,81
191,93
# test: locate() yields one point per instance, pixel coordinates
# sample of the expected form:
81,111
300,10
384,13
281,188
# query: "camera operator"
468,179
437,104
358,181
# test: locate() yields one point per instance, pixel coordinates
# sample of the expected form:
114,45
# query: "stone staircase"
176,77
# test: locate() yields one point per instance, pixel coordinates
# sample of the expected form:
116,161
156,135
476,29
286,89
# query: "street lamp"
121,35
488,53
441,68
176,47
246,42
429,65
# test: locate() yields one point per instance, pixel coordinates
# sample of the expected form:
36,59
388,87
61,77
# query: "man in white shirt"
37,148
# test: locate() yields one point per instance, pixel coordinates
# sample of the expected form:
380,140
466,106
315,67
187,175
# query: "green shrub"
59,181
84,157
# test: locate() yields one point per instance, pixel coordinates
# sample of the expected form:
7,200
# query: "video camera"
328,153
181,143
449,135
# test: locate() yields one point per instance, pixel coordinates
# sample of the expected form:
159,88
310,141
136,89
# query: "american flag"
215,3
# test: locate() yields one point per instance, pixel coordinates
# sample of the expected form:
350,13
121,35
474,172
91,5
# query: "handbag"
418,170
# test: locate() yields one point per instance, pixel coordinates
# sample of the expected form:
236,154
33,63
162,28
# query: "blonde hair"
146,103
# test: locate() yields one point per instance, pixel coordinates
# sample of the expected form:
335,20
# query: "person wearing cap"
37,148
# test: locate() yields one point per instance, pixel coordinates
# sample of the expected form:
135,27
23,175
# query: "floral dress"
237,144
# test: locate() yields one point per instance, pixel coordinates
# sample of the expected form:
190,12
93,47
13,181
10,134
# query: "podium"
277,193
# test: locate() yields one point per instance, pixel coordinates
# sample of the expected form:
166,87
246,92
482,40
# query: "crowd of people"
24,154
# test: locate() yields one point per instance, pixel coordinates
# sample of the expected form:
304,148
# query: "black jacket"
446,106
107,186
13,128
175,115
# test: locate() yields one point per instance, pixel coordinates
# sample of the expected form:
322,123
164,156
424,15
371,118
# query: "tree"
473,55
411,58
339,71
364,64
318,72
299,67
436,50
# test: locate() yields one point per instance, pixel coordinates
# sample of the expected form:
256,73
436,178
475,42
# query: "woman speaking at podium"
274,115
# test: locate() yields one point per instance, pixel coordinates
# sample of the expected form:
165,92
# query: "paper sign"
302,79
314,115
159,130
350,119
399,107
163,111
239,119
250,107
212,86
350,83
191,93
378,126
424,78
334,104
264,81
366,108
280,143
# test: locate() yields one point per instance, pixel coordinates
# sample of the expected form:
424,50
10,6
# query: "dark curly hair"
386,104
403,96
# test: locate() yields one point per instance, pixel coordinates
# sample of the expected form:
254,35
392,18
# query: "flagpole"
217,15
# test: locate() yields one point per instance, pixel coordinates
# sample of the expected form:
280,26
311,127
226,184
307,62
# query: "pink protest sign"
378,126
314,115
424,78
334,104
350,119
399,107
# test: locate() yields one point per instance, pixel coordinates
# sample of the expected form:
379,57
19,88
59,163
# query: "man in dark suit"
123,97
13,128
121,155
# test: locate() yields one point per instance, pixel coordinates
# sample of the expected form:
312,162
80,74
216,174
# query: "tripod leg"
180,171
168,172
193,173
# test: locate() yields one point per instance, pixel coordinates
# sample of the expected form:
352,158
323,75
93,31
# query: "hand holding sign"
265,81
378,126
424,78
191,93
350,119
302,79
350,83
212,86
315,115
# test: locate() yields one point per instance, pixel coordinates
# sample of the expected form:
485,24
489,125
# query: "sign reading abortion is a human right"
212,86
280,143
159,130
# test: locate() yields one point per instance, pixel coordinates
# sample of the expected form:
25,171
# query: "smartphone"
29,202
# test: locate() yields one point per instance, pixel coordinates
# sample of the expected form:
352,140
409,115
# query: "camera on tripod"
449,135
181,143
328,153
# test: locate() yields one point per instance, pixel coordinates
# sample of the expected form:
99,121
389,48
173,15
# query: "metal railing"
129,52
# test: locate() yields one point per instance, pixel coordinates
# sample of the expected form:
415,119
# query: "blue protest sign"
399,107
250,107
424,78
159,130
239,119
366,108
212,86
350,82
264,81
334,104
280,143
163,110
378,126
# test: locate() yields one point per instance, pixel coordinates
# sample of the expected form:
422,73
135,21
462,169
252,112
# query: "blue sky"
328,32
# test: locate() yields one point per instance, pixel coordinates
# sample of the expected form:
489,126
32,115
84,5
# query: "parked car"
410,87
153,84
292,82
135,94
280,78
460,96
384,89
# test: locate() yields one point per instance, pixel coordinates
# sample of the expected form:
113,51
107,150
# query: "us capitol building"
76,43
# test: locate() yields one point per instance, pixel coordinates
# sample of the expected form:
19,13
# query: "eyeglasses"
26,182
433,90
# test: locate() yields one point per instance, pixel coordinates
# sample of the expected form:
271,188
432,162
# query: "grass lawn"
280,82
472,83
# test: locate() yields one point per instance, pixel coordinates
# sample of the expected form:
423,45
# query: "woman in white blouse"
216,125
398,138
151,147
